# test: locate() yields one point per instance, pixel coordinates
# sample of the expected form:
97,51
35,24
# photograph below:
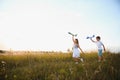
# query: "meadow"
58,66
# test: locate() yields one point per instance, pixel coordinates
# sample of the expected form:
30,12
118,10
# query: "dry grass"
57,66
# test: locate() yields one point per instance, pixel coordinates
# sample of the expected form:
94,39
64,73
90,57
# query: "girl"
76,52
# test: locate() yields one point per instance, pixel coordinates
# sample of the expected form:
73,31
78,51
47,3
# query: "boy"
100,46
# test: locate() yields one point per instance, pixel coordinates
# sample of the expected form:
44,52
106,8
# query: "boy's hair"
98,37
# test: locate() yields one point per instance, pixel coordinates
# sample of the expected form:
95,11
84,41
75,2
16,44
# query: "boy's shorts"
99,52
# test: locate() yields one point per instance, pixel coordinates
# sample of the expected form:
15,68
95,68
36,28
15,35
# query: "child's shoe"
76,62
81,59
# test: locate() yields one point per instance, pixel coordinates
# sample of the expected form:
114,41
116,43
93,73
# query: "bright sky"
44,24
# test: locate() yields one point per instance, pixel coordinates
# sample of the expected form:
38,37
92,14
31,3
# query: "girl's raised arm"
73,39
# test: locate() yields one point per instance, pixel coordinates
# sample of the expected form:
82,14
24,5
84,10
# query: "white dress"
76,52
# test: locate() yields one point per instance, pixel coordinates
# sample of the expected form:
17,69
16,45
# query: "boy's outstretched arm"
92,40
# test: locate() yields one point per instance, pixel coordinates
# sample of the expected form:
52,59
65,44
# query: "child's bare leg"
103,59
99,58
99,55
75,59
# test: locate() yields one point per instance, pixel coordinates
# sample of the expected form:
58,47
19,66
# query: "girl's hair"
77,41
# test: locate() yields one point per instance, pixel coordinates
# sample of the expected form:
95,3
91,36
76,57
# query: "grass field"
58,66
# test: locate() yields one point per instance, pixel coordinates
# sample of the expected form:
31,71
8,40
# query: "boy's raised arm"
92,40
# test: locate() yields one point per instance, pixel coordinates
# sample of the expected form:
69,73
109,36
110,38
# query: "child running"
76,52
100,46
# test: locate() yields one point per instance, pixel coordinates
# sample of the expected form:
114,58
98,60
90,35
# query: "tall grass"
60,66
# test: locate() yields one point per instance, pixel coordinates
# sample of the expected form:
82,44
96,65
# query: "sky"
44,24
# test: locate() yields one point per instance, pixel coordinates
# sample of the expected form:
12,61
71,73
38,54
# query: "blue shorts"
99,52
